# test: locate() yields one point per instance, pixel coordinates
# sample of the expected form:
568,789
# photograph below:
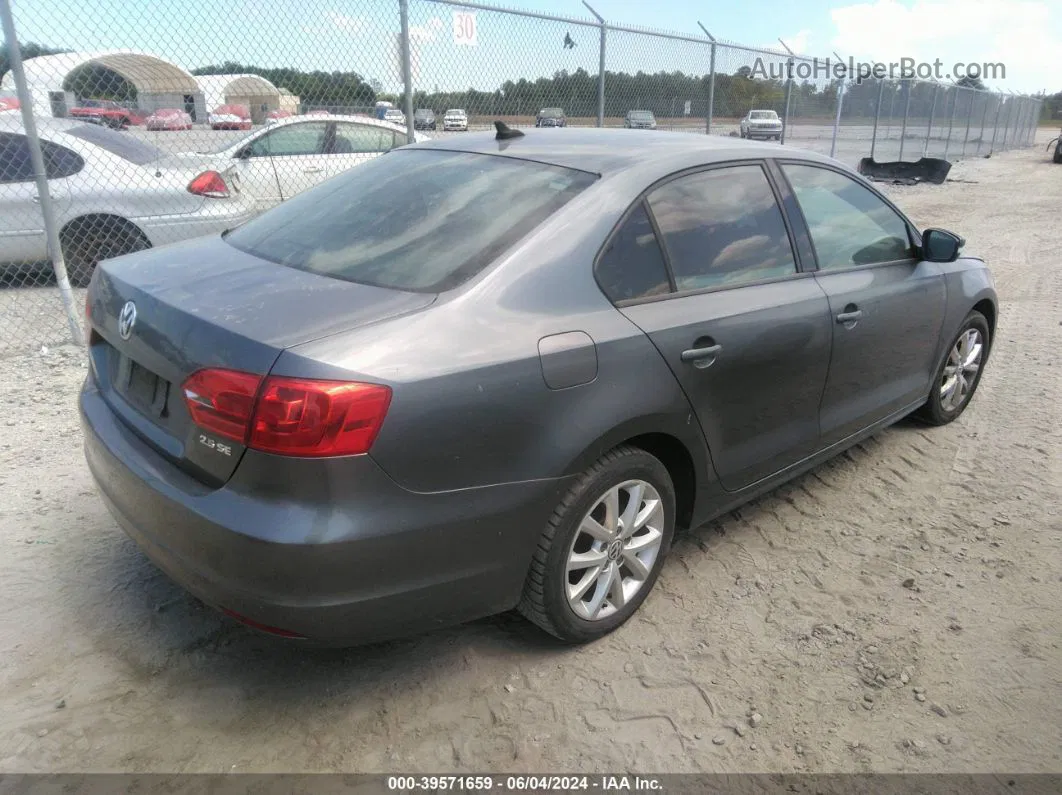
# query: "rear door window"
722,227
360,139
291,140
416,220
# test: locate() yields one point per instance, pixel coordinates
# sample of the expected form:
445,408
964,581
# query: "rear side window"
632,266
16,166
722,227
292,139
416,220
124,145
356,139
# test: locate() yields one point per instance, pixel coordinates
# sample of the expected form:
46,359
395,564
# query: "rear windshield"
415,220
122,144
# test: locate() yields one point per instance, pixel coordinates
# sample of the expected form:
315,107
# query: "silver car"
455,120
761,124
112,193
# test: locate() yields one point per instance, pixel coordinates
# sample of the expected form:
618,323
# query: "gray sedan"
474,375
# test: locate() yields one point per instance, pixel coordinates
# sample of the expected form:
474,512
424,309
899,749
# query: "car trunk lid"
204,304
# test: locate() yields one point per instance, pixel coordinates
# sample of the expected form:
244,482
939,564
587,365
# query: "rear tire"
88,241
956,379
1058,154
615,566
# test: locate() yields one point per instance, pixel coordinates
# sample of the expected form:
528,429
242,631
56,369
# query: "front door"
283,162
746,335
886,304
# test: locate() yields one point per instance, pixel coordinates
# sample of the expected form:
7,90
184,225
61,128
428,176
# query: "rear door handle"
850,317
699,354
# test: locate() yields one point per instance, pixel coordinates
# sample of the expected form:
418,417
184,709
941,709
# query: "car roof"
370,120
610,151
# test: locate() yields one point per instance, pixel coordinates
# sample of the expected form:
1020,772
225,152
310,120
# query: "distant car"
168,119
761,124
424,119
455,120
291,155
395,116
103,111
379,409
276,115
230,117
112,192
551,117
9,103
640,120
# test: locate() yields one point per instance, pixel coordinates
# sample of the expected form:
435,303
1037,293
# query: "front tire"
603,547
960,373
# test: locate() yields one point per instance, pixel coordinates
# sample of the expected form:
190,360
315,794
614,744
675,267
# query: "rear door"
886,304
354,144
283,162
746,334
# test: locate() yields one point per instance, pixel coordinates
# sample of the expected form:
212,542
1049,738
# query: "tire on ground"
933,411
89,240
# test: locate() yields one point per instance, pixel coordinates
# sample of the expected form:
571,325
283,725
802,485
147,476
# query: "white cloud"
345,22
797,42
1021,34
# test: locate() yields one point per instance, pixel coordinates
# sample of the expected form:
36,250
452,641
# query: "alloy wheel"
961,369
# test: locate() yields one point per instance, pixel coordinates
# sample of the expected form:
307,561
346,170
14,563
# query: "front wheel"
602,549
960,373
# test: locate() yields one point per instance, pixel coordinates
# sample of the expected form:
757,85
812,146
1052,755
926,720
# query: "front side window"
291,140
632,265
722,227
415,220
849,225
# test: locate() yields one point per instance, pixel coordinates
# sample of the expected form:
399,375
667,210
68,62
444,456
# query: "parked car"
168,119
112,193
285,158
9,103
387,406
640,120
230,117
103,111
424,119
761,124
395,116
551,117
276,115
455,120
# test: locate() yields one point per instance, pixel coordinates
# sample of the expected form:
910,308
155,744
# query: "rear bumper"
332,551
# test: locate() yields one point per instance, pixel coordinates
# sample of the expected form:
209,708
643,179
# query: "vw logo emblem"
126,320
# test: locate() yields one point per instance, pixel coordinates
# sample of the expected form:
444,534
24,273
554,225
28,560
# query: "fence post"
906,112
1006,124
407,76
932,110
877,115
600,67
837,118
711,84
40,176
788,93
969,119
951,121
995,124
984,118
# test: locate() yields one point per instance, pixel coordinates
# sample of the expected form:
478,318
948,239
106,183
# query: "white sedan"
294,154
112,194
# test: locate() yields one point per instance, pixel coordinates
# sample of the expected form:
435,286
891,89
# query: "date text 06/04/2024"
523,783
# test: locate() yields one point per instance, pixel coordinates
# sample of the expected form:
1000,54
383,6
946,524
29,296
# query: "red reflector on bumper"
283,633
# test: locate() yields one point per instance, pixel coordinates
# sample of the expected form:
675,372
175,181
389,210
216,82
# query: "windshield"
423,114
641,115
763,114
551,112
415,220
117,143
455,113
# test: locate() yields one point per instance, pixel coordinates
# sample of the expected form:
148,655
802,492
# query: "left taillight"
210,184
288,416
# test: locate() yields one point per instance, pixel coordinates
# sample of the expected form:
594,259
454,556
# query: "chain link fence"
156,123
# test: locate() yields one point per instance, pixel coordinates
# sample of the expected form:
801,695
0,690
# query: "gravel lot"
780,638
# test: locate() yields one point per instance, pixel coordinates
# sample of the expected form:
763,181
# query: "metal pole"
969,120
932,110
1006,124
877,115
906,112
711,83
407,72
995,124
951,122
600,68
788,93
40,176
984,118
837,118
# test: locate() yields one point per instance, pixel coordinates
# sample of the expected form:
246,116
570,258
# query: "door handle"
699,354
313,170
850,317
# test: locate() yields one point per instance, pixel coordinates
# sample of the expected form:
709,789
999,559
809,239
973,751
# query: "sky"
360,35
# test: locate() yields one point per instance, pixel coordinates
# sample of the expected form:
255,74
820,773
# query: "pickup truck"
103,111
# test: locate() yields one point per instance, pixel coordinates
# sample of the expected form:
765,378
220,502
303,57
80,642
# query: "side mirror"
939,245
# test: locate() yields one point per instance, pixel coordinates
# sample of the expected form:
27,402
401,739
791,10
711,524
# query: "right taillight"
210,184
288,416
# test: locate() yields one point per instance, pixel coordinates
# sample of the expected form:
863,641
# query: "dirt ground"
793,608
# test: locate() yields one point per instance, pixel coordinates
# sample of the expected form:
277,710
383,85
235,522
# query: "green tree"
29,50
